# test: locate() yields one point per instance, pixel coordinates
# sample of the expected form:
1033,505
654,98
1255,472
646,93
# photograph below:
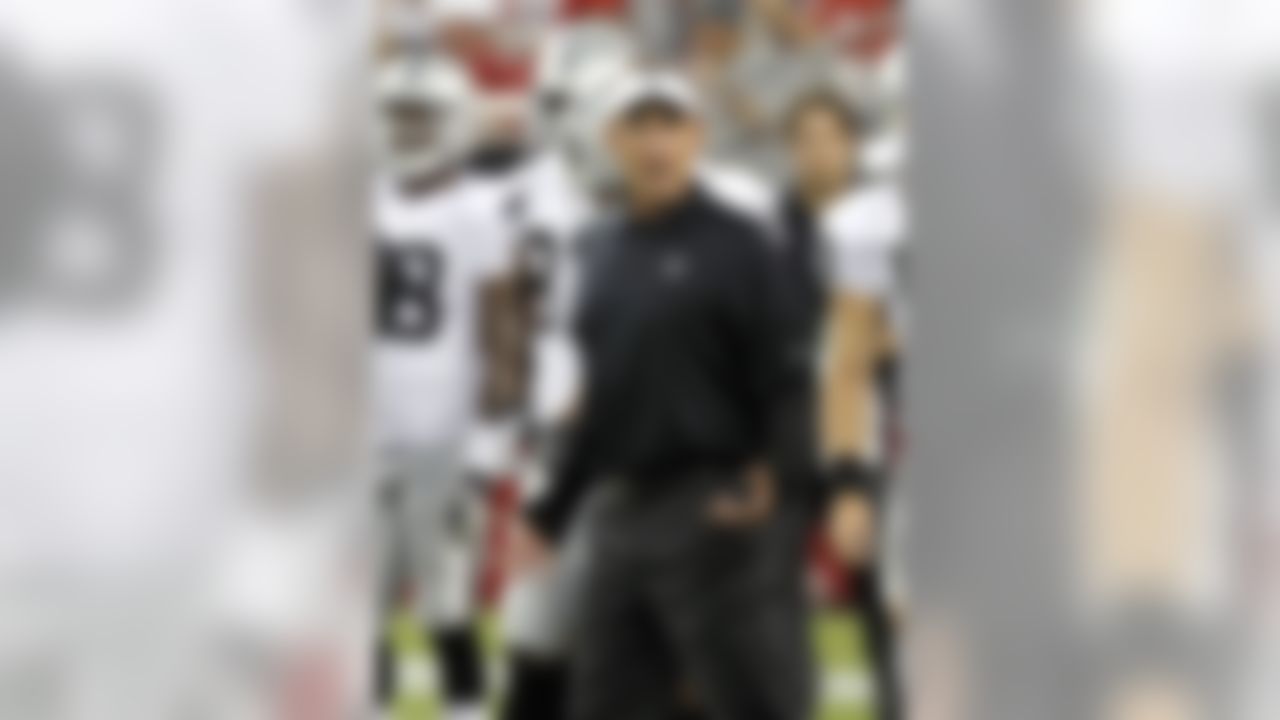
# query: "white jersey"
549,210
435,254
126,342
865,234
137,335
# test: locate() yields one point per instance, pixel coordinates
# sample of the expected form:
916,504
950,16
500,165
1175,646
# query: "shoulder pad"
872,216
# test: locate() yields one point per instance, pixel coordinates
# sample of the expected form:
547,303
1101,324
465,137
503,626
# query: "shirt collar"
678,214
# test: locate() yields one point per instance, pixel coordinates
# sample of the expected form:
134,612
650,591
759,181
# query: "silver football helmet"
575,74
425,114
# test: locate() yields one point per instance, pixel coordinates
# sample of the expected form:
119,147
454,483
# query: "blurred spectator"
865,28
576,10
473,31
751,60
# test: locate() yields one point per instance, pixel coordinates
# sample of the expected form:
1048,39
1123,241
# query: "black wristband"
854,475
548,518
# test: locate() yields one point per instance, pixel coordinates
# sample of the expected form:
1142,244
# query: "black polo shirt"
682,326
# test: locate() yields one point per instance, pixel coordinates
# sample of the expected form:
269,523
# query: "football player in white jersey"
844,237
134,373
439,259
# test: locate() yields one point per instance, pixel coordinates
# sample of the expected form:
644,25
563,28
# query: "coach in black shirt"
685,353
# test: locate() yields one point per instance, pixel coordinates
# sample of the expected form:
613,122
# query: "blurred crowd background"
750,58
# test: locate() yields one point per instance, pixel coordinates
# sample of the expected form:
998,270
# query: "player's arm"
848,434
493,441
858,334
501,342
573,457
504,342
855,330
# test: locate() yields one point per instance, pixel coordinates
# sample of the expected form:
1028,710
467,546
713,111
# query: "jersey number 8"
410,280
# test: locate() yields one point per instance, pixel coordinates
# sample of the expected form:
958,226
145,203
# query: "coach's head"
654,134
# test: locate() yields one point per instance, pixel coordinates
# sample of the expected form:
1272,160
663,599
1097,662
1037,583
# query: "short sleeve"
864,233
492,238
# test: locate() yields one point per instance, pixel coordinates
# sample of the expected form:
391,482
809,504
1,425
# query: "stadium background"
748,57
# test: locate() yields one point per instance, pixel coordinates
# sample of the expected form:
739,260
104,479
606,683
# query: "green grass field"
845,685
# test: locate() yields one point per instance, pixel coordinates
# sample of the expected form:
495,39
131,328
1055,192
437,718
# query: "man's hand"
748,509
851,527
529,552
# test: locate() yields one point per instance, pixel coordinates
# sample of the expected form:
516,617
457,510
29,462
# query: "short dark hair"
831,102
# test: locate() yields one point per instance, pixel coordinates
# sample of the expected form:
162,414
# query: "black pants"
870,605
680,613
